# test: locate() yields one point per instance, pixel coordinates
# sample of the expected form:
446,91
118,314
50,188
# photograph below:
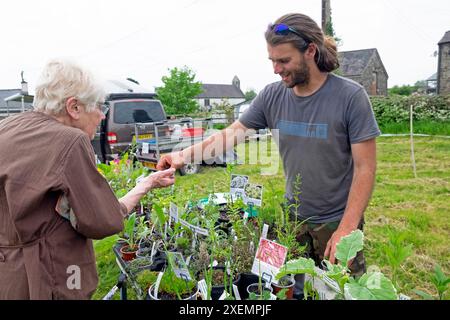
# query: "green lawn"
418,208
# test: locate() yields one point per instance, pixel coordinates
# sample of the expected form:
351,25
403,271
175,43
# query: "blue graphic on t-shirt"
303,129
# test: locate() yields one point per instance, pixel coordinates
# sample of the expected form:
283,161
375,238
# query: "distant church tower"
236,82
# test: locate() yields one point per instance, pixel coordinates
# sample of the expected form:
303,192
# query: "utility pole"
326,13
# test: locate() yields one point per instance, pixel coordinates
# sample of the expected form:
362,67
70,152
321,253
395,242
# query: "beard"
300,76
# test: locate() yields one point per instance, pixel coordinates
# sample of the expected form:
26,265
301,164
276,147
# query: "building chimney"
24,90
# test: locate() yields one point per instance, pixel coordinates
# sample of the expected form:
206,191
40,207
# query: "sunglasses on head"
283,30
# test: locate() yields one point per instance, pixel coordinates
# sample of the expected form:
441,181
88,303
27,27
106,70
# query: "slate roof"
5,93
220,91
353,63
445,38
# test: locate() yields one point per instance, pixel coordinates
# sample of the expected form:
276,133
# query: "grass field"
423,127
417,208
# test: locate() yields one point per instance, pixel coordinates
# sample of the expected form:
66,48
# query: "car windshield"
138,111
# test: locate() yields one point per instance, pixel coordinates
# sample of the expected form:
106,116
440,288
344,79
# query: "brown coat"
40,160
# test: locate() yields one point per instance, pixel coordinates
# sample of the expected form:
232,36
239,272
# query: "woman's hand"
161,179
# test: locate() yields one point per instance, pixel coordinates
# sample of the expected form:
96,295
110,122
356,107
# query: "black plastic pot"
246,278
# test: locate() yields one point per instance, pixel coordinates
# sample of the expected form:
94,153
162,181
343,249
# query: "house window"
207,103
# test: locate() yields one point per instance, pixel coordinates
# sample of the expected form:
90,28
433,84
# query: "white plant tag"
245,217
237,296
158,280
179,266
224,295
203,288
145,148
264,231
173,212
153,252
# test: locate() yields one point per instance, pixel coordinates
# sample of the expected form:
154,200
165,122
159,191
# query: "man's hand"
330,250
171,160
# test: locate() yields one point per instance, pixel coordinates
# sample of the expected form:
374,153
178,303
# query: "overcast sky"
217,39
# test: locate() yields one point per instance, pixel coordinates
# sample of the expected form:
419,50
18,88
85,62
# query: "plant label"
269,258
173,212
237,296
203,288
264,231
158,281
179,266
253,194
237,184
224,295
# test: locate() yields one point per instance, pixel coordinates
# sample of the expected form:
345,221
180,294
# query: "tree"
180,88
250,94
404,90
329,29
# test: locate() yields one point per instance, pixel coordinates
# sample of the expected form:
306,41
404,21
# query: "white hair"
62,79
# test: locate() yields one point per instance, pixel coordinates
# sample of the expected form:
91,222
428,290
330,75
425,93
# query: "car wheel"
189,169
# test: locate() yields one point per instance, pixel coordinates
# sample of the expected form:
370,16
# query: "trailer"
154,139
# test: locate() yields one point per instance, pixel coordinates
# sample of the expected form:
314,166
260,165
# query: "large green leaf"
371,286
300,265
348,247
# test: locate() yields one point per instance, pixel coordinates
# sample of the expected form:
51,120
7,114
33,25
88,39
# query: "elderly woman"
52,198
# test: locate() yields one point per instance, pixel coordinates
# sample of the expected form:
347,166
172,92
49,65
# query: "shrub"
396,108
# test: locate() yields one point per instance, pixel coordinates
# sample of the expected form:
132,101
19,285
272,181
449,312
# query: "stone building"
217,93
365,67
443,76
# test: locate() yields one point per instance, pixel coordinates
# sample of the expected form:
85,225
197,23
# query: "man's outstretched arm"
211,147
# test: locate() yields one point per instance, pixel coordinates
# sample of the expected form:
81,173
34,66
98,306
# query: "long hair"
326,54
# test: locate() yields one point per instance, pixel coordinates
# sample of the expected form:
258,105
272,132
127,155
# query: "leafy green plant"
440,282
142,229
396,252
372,285
144,279
138,264
175,286
128,231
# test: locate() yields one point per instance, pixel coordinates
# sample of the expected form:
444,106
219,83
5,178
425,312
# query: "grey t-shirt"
315,134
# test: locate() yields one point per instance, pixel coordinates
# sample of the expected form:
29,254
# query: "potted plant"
173,288
144,280
128,251
258,291
284,289
344,285
139,264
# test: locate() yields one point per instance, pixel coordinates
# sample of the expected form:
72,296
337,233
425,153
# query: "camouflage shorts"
316,235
